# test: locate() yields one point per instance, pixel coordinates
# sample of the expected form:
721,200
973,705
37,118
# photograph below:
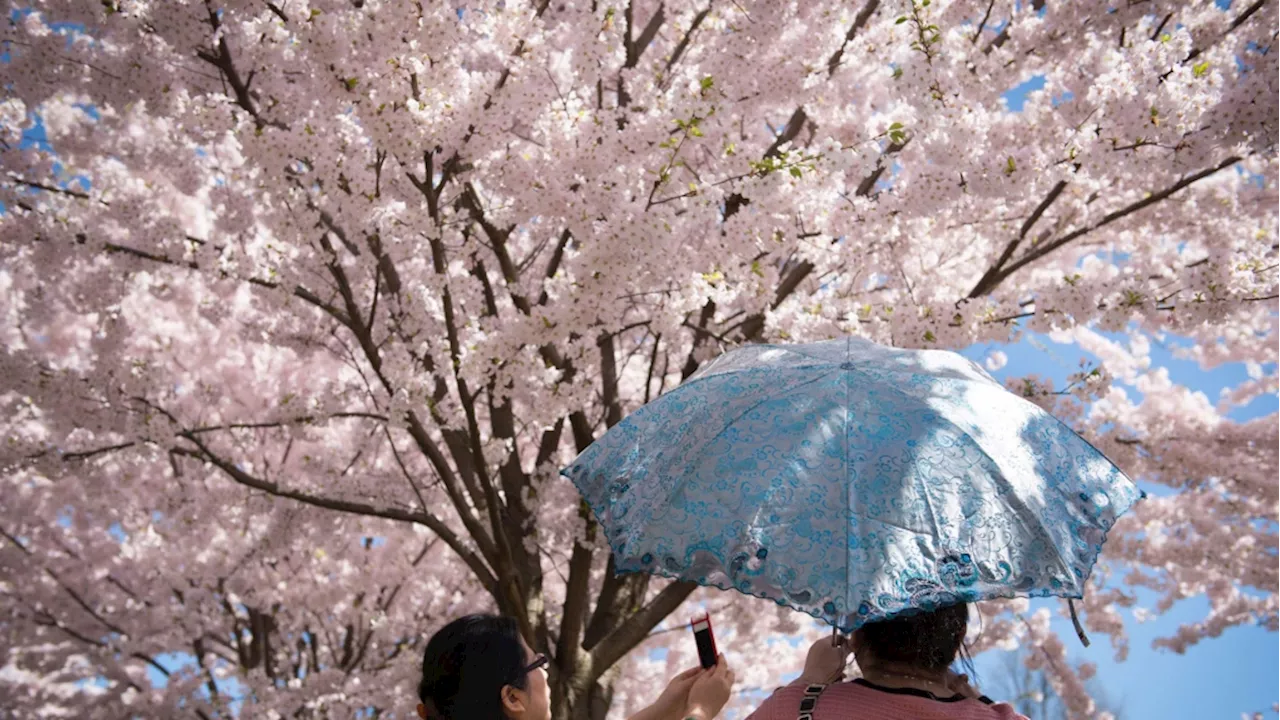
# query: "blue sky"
1218,678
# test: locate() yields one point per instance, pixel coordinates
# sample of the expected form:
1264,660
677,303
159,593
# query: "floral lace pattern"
853,482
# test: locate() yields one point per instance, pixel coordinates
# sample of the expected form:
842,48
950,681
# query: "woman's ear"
514,700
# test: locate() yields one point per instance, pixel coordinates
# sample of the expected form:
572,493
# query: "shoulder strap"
809,701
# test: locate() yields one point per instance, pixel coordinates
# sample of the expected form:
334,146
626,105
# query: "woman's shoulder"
861,699
858,698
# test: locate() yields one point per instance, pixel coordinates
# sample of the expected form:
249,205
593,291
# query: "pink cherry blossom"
305,301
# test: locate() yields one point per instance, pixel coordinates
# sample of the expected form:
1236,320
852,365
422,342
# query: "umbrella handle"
1075,621
836,638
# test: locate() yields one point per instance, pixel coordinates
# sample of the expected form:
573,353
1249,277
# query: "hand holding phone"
706,641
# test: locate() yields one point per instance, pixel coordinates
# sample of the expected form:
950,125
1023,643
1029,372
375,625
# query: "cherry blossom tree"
305,302
1031,694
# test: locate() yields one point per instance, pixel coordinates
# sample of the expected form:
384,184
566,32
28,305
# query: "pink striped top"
861,700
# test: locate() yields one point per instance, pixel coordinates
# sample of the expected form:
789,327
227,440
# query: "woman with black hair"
479,668
906,675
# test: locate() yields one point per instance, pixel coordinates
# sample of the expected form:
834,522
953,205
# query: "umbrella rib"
694,380
848,482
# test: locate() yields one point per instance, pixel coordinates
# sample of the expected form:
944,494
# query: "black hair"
467,663
930,641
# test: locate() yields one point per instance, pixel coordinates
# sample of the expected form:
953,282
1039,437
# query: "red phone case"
706,641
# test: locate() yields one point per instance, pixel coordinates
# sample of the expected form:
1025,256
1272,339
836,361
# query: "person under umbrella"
906,675
478,667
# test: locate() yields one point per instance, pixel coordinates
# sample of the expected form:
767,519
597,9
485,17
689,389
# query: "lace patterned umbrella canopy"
853,482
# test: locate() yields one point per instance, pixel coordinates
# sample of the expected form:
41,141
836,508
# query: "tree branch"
637,48
684,41
553,267
982,25
223,61
751,328
298,291
1003,37
435,524
277,11
1048,247
635,628
869,182
504,558
793,127
621,596
577,586
859,22
575,594
704,318
1155,35
50,188
470,199
988,279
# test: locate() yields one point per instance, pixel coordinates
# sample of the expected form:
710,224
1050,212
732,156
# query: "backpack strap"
809,701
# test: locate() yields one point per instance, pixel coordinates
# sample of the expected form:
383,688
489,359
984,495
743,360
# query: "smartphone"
706,641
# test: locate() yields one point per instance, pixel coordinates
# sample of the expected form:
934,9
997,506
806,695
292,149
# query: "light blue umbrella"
853,482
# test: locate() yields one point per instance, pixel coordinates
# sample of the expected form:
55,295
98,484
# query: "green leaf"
707,82
895,126
795,172
1010,167
928,334
897,73
315,13
351,83
900,20
755,268
1200,69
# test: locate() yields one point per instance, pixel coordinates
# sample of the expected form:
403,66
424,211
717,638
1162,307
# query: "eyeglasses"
539,661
